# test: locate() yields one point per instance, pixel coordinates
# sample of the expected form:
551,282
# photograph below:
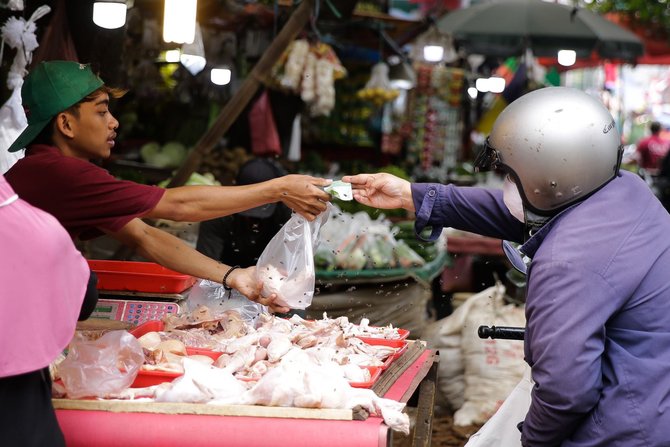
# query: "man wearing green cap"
69,123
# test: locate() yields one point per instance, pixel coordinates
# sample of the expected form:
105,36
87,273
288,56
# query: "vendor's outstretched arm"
171,252
382,190
301,193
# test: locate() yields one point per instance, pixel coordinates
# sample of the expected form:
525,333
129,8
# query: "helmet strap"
532,223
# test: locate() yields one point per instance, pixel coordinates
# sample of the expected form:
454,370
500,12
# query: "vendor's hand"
245,282
382,190
303,194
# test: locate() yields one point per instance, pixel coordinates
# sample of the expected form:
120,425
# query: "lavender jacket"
597,309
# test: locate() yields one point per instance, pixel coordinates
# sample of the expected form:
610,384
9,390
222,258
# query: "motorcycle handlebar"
502,332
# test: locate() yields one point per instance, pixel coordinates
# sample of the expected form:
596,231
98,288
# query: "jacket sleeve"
477,210
567,308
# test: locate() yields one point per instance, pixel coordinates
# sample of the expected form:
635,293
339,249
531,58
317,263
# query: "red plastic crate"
147,277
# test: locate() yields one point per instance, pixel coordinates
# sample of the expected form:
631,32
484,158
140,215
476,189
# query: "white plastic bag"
19,34
213,295
286,266
97,368
501,430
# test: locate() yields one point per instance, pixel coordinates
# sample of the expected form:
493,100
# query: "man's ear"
64,124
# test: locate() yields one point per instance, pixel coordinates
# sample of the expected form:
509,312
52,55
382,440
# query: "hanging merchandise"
348,124
56,41
378,89
295,142
263,130
18,33
15,5
435,140
391,140
310,70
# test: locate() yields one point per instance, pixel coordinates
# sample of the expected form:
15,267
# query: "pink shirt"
43,279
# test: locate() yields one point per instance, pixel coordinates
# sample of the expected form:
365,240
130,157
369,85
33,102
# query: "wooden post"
241,98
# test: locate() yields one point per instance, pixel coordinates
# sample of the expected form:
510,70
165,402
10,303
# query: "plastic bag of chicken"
218,300
102,367
286,266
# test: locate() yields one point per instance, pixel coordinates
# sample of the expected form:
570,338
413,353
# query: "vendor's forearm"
176,255
198,203
169,251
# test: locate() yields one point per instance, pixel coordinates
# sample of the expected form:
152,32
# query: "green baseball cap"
50,88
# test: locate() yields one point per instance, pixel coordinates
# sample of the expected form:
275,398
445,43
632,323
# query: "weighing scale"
136,307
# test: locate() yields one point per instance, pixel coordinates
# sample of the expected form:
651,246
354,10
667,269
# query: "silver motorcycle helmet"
558,144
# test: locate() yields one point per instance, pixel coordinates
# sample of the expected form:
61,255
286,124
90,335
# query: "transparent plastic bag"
286,266
214,296
98,368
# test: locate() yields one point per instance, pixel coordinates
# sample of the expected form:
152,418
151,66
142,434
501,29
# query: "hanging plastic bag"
264,135
286,266
19,34
214,296
98,368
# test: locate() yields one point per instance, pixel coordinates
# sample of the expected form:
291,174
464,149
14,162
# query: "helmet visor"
488,159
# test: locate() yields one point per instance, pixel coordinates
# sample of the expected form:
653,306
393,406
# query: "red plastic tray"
146,327
400,345
402,335
147,277
375,372
148,378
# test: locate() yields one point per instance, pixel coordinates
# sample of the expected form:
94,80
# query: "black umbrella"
508,28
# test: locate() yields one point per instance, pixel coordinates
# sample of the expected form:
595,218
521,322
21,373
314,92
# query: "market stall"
407,371
85,423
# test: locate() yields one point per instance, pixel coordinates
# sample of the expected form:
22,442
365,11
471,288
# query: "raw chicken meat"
300,382
202,383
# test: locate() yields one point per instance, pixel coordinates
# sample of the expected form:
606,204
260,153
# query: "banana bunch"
378,89
377,95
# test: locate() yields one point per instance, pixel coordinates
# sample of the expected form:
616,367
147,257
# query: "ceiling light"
496,84
172,56
220,75
567,57
482,84
179,21
433,53
110,14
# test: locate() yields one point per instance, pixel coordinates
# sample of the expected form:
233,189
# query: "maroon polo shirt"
85,198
